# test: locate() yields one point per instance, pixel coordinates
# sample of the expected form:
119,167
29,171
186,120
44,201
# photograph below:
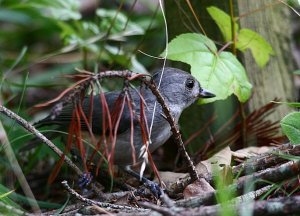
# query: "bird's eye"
190,83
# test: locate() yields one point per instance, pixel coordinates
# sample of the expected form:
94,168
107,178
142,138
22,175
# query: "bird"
179,90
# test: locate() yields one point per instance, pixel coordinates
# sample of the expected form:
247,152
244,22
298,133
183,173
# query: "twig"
108,206
44,139
277,206
68,210
39,135
251,195
261,179
167,201
267,160
237,203
163,210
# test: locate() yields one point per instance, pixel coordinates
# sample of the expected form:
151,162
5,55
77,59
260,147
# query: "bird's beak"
206,94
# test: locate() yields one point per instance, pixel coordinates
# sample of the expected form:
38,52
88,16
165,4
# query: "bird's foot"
154,188
85,180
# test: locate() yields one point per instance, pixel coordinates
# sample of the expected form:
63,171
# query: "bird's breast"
159,136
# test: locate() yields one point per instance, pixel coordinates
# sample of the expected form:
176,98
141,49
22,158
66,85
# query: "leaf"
223,20
119,21
6,194
297,72
65,10
291,127
251,151
290,104
222,74
223,157
260,48
16,17
57,9
136,66
247,39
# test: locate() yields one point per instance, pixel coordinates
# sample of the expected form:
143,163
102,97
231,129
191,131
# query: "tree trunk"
274,80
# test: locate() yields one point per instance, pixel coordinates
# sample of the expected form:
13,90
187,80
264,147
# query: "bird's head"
179,88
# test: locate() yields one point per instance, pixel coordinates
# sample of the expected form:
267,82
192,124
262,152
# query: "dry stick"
267,159
160,209
236,203
278,174
71,209
100,204
39,135
276,206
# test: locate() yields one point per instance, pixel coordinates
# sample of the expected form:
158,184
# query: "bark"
275,80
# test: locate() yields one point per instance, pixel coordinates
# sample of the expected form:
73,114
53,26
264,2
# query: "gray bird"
179,89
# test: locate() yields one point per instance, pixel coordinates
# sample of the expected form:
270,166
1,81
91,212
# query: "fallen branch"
160,209
276,206
266,160
108,206
261,179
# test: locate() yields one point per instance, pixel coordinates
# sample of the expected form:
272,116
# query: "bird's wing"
114,105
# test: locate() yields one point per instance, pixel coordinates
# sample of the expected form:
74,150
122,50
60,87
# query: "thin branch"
267,160
163,210
44,139
261,179
100,204
277,206
40,136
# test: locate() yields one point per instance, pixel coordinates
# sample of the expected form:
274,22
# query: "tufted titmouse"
179,89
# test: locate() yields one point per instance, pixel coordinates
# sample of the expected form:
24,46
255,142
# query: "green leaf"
120,22
16,17
290,104
260,48
56,9
297,72
5,194
136,66
290,125
220,73
247,39
223,20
